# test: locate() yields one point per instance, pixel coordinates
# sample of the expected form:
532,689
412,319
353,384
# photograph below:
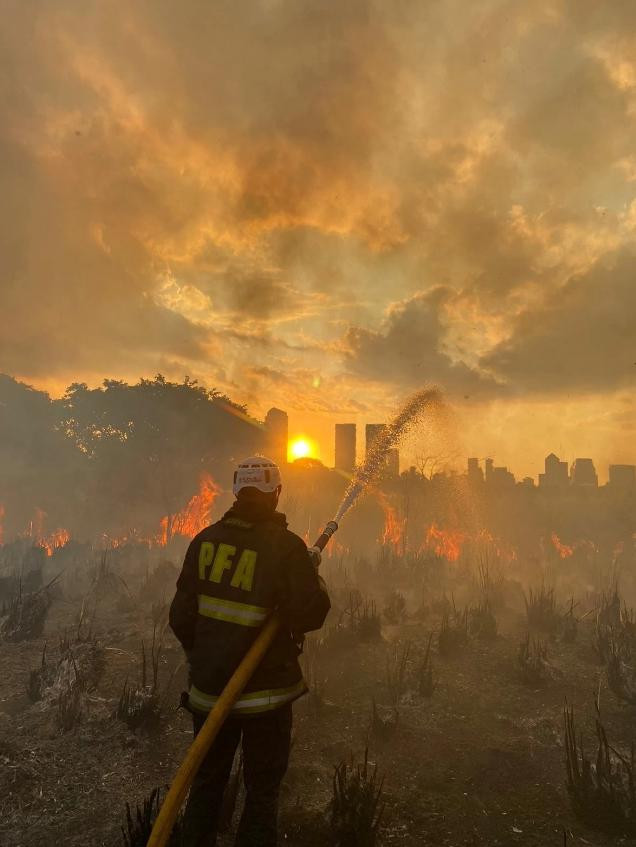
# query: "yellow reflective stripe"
255,701
232,612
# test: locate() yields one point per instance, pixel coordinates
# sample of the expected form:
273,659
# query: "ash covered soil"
479,762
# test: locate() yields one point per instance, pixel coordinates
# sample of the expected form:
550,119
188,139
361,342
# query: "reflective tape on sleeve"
232,612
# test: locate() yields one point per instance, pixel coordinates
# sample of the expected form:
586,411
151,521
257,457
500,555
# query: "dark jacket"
235,573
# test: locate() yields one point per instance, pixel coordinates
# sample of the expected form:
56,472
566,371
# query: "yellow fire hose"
197,751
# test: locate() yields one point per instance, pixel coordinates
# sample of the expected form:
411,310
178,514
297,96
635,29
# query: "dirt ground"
480,762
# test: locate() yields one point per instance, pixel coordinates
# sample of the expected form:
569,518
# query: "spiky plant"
453,633
621,673
532,660
70,704
25,615
570,624
139,706
356,812
483,622
369,626
603,792
426,684
396,672
541,609
395,607
138,827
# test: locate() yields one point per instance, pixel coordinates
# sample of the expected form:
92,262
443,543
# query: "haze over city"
329,208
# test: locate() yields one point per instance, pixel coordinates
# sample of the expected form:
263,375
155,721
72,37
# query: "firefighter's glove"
315,554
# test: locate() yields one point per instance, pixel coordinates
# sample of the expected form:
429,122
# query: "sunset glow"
302,448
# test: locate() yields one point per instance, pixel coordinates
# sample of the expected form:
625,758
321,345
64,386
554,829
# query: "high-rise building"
372,432
622,478
584,473
277,435
392,458
475,473
556,473
393,462
345,447
489,469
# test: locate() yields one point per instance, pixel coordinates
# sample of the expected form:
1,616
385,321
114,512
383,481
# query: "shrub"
395,607
483,622
453,633
384,720
426,682
140,707
355,809
603,791
533,661
138,828
25,615
541,610
396,672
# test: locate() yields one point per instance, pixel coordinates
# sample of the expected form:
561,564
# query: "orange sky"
324,207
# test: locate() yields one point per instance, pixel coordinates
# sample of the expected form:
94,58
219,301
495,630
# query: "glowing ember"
564,550
192,518
444,543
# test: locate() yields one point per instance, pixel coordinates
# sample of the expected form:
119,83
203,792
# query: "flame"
444,543
194,517
55,541
501,549
394,525
564,550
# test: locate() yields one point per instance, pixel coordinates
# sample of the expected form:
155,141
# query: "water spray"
362,478
368,472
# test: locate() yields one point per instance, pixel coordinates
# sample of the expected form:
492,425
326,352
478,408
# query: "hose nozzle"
328,531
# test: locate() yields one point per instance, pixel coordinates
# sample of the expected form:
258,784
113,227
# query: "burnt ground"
481,762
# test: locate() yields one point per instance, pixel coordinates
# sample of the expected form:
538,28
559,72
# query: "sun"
301,448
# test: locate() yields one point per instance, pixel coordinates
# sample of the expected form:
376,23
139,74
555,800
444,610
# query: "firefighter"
234,574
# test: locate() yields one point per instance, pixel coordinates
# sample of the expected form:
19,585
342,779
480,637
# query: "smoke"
383,195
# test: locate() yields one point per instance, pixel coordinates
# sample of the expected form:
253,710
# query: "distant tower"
489,469
556,473
622,478
584,473
345,447
392,458
475,473
372,433
393,462
277,435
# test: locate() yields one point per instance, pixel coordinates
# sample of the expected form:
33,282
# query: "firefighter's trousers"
265,742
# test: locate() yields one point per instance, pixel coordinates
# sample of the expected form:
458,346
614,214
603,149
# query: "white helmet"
257,472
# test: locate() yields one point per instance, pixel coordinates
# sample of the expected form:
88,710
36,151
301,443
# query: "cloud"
408,348
241,190
581,340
